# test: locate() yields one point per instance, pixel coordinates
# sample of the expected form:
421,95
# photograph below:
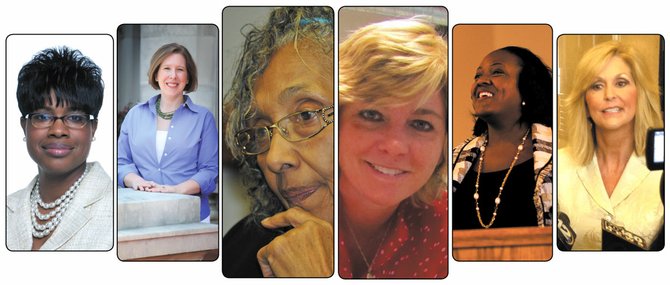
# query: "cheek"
428,153
320,153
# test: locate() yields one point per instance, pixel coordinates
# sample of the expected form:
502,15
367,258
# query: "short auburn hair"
168,50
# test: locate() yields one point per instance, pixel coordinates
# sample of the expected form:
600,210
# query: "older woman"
279,126
606,189
502,175
393,117
170,144
68,206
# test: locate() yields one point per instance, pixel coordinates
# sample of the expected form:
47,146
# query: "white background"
20,49
565,16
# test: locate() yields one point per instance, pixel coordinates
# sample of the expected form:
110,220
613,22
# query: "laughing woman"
393,108
68,206
502,175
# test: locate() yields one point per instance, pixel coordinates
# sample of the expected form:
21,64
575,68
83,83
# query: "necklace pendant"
369,275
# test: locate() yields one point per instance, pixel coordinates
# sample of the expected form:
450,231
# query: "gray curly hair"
285,25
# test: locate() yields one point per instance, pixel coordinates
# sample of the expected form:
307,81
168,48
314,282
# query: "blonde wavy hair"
388,63
648,113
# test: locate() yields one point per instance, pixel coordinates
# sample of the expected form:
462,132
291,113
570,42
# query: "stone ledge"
166,240
137,209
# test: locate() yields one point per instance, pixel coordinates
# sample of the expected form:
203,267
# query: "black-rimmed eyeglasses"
294,127
45,120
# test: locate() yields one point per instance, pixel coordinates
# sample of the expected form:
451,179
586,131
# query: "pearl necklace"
53,215
360,250
500,190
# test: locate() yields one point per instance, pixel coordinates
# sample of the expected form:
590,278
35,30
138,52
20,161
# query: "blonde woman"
393,108
604,184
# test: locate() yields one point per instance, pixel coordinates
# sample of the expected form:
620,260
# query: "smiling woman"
68,206
502,175
603,179
169,144
393,117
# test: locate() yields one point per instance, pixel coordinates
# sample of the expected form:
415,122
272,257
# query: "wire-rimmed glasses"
295,127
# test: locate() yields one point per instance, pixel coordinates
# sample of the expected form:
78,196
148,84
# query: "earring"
24,139
523,103
93,139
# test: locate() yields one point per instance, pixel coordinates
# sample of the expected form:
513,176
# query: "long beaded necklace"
164,115
360,250
55,209
500,190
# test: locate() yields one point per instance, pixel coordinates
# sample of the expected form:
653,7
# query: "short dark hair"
168,50
75,80
535,88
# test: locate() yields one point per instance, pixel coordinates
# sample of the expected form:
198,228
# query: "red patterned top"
415,248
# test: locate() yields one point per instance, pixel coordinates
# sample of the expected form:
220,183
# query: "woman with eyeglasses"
68,206
169,144
393,129
280,127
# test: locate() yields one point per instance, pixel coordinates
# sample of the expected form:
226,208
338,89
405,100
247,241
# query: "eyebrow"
619,75
286,94
424,111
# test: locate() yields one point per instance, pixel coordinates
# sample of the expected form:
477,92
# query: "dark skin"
60,153
498,75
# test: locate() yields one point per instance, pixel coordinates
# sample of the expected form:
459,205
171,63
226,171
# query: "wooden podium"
523,243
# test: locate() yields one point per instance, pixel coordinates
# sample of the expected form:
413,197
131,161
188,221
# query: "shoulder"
18,198
99,184
566,160
139,110
196,108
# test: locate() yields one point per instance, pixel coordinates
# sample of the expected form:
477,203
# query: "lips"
57,149
172,84
386,170
481,93
613,110
295,195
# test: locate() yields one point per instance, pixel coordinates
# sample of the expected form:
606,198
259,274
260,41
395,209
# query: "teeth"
485,94
613,110
387,171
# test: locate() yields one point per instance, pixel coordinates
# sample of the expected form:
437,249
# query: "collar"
188,104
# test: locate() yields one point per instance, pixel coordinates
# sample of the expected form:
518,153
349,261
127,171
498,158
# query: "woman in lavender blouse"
169,144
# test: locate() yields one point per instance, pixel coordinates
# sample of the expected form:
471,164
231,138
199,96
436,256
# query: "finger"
292,217
262,256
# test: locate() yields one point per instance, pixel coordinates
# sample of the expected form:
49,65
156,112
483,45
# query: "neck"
54,185
511,133
171,103
367,221
614,147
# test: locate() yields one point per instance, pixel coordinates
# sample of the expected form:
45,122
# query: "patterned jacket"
465,153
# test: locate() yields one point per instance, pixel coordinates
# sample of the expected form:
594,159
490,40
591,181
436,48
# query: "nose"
610,92
395,142
282,155
483,79
58,128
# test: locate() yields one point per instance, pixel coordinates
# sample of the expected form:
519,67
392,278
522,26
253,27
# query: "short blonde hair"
647,115
168,50
389,63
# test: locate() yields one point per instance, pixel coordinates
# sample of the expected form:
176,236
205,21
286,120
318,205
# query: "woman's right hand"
304,251
136,182
144,185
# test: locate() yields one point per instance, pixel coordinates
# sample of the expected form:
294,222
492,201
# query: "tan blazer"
86,225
